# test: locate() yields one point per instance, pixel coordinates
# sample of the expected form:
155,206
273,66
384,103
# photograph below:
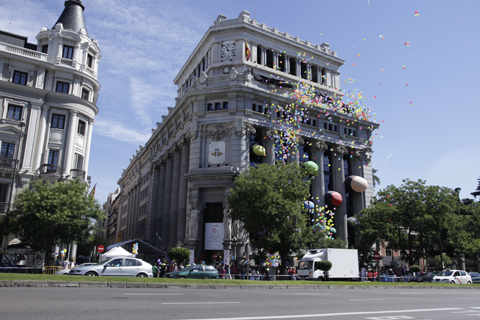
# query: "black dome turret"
72,16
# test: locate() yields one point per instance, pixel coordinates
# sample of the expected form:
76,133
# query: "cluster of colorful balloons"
272,261
322,218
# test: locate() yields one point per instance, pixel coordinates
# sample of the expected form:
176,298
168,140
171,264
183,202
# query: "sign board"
100,248
191,259
216,153
214,236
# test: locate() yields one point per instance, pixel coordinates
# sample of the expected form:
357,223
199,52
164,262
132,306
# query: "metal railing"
77,174
48,168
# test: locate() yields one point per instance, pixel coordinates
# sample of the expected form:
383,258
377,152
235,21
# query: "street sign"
100,248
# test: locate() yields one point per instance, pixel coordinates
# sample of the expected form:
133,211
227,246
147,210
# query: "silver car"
116,267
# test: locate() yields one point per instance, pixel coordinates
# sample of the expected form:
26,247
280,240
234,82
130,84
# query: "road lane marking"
367,299
390,318
152,294
324,315
204,302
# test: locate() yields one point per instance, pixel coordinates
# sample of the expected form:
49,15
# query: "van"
344,264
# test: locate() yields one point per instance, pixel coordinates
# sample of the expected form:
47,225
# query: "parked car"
475,277
116,267
195,272
424,277
453,277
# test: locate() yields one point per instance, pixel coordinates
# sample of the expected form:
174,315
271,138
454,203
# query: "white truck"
344,264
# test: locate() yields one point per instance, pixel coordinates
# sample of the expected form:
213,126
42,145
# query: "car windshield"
446,273
305,265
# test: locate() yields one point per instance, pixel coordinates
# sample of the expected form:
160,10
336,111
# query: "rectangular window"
225,105
254,107
293,66
314,74
259,55
78,161
67,52
269,58
218,106
63,87
281,62
210,107
8,150
45,48
89,60
20,77
81,127
14,112
58,121
85,94
304,73
52,160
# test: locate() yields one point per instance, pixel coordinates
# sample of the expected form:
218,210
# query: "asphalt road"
238,304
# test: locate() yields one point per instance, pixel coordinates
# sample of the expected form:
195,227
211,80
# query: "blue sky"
424,95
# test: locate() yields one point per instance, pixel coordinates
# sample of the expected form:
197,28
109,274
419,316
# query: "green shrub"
324,265
179,254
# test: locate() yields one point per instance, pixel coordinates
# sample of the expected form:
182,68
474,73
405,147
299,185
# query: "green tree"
269,201
49,213
376,179
179,254
413,218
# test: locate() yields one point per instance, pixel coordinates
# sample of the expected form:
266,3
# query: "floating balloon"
259,150
311,167
358,184
334,198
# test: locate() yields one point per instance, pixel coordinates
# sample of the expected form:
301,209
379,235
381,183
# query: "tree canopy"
421,221
269,201
49,213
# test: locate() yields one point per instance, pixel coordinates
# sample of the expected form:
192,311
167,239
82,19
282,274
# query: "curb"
152,285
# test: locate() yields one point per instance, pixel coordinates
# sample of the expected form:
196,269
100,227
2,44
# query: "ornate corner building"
48,95
174,189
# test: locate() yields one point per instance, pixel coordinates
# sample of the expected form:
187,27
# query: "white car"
116,267
453,277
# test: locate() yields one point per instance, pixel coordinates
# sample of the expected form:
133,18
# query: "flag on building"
92,192
248,52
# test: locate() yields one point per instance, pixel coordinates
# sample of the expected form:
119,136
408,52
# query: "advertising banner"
214,236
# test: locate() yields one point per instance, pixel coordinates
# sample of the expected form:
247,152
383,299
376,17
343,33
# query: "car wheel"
91,274
469,282
141,275
452,282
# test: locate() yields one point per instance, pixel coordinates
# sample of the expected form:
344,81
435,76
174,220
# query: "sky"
414,62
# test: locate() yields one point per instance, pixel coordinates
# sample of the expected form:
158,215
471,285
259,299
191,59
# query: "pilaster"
318,184
339,186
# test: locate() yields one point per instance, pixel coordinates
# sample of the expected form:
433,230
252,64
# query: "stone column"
176,176
318,184
358,200
299,68
182,193
287,64
264,56
275,60
339,186
270,147
32,129
160,199
309,71
67,163
42,132
87,148
167,196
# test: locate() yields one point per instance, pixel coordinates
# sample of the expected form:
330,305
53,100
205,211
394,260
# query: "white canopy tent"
117,252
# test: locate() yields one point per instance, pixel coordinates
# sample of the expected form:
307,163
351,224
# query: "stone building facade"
48,95
176,185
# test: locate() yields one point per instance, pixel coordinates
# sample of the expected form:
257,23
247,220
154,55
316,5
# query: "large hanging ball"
311,167
309,205
358,184
334,198
259,150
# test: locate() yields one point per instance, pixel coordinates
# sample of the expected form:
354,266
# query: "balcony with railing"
77,174
49,169
27,53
